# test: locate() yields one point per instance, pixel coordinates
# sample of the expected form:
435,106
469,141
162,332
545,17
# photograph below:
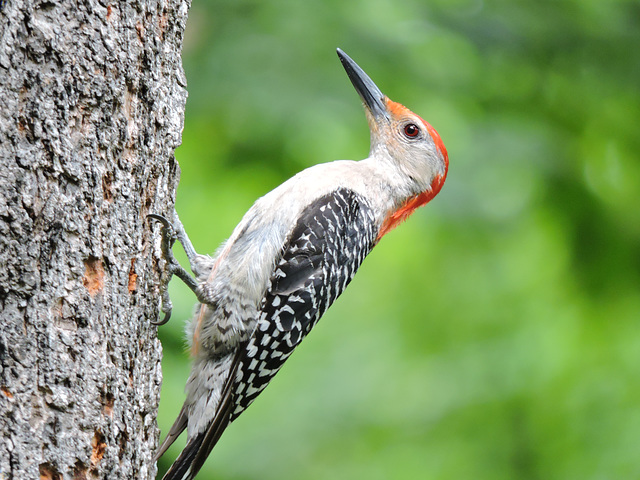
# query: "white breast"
244,264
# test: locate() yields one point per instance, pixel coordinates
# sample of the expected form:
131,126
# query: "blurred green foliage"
495,334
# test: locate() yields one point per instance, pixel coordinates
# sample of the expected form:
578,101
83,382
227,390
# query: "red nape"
438,141
408,207
398,110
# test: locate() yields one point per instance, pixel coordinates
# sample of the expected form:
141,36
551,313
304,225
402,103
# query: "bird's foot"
171,233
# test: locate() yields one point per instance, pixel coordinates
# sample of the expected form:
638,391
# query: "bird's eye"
411,130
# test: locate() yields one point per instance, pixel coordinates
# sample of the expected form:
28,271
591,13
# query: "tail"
198,447
176,429
184,468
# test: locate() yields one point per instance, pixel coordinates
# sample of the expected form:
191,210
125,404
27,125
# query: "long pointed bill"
370,94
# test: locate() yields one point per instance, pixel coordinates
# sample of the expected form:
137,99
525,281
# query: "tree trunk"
92,98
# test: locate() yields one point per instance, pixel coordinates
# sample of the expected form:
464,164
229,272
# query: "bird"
292,254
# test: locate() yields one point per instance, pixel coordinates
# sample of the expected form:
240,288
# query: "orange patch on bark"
98,447
133,277
93,275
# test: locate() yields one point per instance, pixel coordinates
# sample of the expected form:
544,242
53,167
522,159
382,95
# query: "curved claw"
163,220
168,239
165,320
170,233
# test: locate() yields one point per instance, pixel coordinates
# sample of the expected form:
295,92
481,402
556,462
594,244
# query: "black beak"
370,94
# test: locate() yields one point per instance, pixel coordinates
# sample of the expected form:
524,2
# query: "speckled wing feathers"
323,253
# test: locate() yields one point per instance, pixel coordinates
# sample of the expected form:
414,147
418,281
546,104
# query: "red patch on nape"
438,141
408,207
399,110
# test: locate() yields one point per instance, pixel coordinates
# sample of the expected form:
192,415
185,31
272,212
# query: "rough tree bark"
92,96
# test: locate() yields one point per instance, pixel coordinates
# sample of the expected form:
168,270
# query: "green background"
494,335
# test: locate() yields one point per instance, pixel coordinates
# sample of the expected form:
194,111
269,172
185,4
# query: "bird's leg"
181,235
201,265
171,233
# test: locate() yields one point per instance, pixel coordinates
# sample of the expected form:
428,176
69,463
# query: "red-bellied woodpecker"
290,257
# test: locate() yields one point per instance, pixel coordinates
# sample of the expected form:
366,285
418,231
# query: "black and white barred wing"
320,257
323,252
